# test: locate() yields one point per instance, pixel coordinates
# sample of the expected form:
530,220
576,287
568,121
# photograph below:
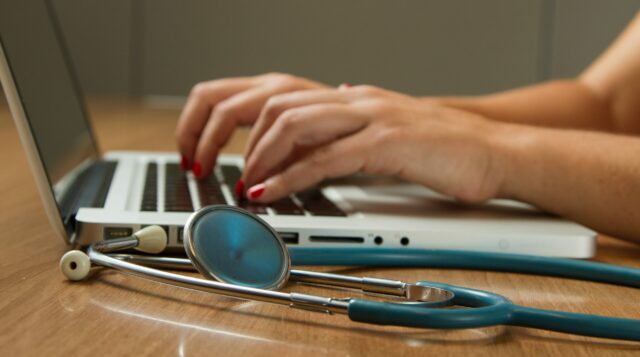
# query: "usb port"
116,232
289,237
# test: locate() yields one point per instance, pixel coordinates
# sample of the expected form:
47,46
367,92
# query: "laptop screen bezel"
26,133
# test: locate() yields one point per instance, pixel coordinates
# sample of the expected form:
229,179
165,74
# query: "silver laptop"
90,197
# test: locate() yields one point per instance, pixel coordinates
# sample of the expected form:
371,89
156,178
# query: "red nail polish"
184,163
239,189
256,191
197,168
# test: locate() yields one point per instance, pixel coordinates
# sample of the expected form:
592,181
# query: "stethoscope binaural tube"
489,309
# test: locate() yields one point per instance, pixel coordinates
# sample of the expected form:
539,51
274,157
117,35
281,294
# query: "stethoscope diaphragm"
234,246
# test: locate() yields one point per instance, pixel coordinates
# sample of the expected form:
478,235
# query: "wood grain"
112,314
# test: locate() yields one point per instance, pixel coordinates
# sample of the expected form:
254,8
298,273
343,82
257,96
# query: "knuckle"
377,107
289,120
274,106
225,110
369,90
199,90
283,80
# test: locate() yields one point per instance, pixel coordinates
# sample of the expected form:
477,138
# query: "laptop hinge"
88,189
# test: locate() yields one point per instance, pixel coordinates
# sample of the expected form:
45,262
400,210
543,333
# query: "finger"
276,105
202,99
311,125
242,108
340,158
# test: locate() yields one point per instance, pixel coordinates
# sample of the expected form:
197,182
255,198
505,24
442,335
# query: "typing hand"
304,137
215,108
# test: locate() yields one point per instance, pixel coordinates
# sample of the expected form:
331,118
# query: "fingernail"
184,163
197,168
345,86
256,191
239,189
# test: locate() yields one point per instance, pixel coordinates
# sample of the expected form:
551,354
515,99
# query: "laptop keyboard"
178,199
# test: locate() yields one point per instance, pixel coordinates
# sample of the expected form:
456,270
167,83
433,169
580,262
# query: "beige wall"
582,29
162,47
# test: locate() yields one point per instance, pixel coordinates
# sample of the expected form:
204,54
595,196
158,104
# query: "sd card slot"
336,239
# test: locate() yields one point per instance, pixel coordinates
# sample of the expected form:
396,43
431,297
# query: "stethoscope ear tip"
151,239
75,265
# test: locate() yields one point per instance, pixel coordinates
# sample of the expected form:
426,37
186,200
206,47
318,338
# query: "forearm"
591,178
560,104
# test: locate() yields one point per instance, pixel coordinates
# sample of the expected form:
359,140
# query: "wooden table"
112,314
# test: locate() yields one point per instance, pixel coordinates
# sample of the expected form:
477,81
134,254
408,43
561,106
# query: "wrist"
511,147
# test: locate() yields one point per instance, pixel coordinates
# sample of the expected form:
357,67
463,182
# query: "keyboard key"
314,201
209,191
231,174
177,197
150,194
253,207
286,206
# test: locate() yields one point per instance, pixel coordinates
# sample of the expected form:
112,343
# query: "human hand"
302,138
215,108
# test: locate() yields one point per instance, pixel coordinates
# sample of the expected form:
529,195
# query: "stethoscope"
243,257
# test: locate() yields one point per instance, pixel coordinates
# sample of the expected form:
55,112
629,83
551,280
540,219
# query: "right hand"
215,108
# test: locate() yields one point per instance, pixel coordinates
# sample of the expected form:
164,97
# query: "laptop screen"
35,53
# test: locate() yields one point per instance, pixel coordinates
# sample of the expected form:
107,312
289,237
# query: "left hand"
304,137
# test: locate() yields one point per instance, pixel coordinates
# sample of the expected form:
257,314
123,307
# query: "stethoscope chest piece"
234,246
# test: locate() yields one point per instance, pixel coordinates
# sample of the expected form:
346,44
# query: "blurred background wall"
163,47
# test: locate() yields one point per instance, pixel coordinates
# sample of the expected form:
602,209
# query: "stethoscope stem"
411,292
294,300
117,244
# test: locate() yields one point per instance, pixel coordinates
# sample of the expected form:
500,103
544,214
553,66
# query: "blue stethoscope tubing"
489,309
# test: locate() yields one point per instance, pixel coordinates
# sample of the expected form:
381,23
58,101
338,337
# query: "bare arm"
589,177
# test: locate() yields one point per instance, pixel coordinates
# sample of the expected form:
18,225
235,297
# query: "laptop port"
336,239
116,232
289,237
180,234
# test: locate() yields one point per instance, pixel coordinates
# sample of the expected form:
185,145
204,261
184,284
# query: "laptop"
89,196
